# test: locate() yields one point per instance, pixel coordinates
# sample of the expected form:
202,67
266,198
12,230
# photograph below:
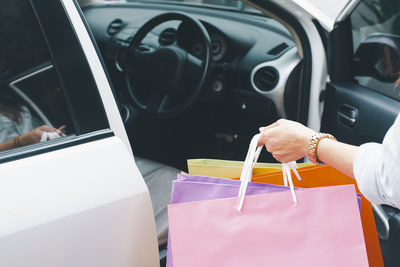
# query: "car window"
376,17
33,106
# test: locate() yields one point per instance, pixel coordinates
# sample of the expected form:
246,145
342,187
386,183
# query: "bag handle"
251,159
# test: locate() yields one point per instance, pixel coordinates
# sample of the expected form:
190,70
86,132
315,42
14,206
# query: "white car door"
78,200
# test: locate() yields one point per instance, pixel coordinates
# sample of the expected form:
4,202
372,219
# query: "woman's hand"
34,136
286,140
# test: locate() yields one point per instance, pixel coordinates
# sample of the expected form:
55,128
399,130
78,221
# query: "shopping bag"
317,176
190,188
230,168
323,229
217,180
210,192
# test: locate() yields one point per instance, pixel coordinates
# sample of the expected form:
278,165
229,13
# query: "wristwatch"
313,146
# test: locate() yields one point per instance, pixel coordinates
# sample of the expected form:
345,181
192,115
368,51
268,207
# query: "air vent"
115,26
278,49
167,37
266,78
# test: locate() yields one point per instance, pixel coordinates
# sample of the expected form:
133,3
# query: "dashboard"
251,54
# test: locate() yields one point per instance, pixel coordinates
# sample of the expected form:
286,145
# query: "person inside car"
19,128
374,166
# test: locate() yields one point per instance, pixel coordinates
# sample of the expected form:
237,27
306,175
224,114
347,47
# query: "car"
167,81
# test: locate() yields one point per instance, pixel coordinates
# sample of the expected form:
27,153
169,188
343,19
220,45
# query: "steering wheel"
165,80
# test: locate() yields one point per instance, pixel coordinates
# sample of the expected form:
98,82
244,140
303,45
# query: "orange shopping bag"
316,176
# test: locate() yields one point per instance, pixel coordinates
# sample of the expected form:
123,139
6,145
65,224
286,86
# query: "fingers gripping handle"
251,159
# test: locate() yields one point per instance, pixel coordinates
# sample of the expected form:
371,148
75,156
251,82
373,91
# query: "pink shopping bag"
324,229
309,227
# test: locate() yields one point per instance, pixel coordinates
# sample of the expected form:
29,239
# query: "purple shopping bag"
216,180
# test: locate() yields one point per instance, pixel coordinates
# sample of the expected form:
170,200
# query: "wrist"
305,141
313,145
22,140
16,141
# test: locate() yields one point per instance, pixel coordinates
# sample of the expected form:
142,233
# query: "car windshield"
236,5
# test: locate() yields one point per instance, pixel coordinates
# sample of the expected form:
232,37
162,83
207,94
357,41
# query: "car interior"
177,100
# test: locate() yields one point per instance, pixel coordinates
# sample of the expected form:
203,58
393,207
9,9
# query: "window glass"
375,16
33,106
379,18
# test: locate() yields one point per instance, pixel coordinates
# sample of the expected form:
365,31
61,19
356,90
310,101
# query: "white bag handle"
251,159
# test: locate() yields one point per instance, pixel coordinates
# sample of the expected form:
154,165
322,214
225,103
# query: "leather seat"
158,178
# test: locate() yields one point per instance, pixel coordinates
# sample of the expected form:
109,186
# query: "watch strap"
313,146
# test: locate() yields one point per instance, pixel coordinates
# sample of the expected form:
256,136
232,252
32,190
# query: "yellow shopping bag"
230,168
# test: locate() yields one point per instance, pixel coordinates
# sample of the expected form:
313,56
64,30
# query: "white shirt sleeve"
376,168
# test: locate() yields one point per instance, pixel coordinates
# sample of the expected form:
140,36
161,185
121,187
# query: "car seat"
158,178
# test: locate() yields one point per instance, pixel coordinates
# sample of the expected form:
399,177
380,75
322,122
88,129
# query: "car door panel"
55,243
373,113
358,108
78,200
84,205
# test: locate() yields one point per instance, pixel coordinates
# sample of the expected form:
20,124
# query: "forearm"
7,145
338,155
289,140
21,140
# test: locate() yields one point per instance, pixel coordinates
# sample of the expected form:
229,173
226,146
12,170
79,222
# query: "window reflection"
33,107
